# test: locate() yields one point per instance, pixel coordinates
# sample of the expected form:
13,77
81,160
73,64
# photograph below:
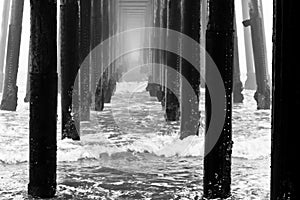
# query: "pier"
83,51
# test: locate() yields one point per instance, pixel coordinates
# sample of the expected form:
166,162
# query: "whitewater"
128,151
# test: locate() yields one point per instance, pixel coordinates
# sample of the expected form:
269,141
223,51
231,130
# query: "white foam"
253,148
168,146
250,144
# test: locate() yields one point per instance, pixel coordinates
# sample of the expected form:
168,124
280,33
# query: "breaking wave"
251,141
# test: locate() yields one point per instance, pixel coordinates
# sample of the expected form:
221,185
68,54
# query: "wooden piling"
190,116
173,62
76,108
203,25
219,45
145,69
262,94
250,83
152,87
156,52
85,48
43,100
107,94
111,82
10,89
237,83
69,65
163,53
27,96
160,94
3,39
96,39
286,105
164,43
105,52
99,93
115,47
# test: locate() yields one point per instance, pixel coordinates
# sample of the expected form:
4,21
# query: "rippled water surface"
128,151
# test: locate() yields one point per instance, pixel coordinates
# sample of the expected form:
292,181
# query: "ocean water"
128,151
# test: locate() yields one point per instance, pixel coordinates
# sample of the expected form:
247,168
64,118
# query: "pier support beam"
164,21
99,94
203,25
153,79
43,100
111,82
157,52
69,66
237,83
96,87
10,90
76,108
3,39
286,105
173,62
115,17
85,47
95,41
190,116
219,45
27,95
250,83
262,94
105,52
